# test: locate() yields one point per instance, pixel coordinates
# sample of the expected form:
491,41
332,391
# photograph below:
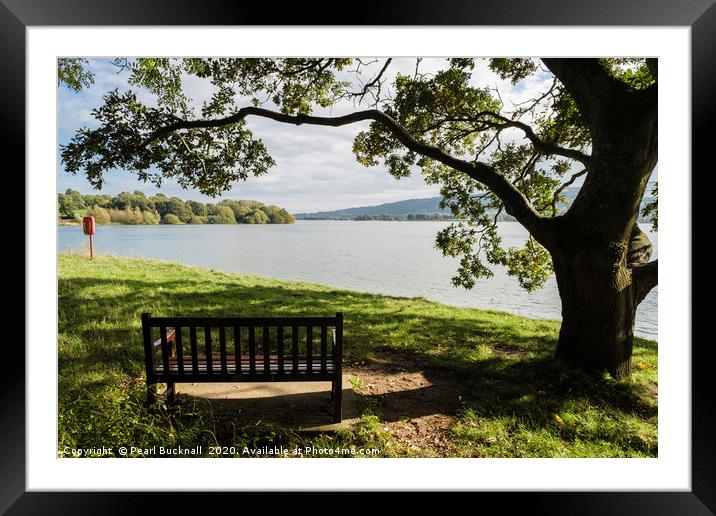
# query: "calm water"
396,258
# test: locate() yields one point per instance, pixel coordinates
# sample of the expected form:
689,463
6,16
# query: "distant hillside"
416,209
400,208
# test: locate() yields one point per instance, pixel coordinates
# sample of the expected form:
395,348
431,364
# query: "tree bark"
598,311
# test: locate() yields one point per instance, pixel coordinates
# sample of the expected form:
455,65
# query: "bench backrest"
252,346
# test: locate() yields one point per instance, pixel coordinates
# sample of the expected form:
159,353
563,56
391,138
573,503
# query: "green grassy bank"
517,400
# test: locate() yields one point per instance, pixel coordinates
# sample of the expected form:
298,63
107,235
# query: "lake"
394,258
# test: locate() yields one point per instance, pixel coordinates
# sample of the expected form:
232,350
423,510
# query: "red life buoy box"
88,225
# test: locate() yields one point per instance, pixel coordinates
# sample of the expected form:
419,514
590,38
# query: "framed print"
235,219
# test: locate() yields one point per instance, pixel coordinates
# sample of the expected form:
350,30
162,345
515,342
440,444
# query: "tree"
66,206
278,215
150,217
75,198
73,73
257,217
160,203
180,209
170,218
196,219
220,214
595,120
126,200
238,208
197,208
126,216
103,201
122,201
101,215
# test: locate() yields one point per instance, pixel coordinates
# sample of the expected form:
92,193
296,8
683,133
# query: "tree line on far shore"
138,208
409,216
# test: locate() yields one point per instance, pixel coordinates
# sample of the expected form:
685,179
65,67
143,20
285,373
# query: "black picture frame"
699,15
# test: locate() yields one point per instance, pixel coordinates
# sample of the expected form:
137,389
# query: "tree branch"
587,81
555,196
376,80
640,247
516,204
645,277
543,146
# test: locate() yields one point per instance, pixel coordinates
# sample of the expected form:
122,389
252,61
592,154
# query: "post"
88,228
338,364
148,357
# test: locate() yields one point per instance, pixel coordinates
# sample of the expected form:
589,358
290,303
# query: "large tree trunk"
600,288
598,252
598,311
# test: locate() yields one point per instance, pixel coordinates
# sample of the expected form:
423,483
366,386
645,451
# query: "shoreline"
315,284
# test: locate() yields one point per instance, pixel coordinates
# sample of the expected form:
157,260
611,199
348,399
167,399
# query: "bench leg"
150,394
337,400
170,393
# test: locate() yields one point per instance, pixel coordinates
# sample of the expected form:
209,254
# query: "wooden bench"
243,349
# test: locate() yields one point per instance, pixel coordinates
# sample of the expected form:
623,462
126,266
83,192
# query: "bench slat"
165,346
213,368
222,348
241,321
244,377
207,347
267,348
279,344
309,346
252,349
245,360
294,347
179,348
237,343
194,350
324,347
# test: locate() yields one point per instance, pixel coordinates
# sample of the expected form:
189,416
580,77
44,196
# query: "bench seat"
245,365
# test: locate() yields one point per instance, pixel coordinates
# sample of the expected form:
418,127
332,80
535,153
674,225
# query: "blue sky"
316,169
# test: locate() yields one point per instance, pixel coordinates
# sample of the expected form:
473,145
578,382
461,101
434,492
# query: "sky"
316,169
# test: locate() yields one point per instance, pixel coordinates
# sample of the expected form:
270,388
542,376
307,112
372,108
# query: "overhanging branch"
543,146
485,120
516,204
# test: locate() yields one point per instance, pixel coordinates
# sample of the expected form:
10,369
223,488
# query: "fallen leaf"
558,420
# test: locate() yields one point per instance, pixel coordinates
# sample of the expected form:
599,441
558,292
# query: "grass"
522,402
